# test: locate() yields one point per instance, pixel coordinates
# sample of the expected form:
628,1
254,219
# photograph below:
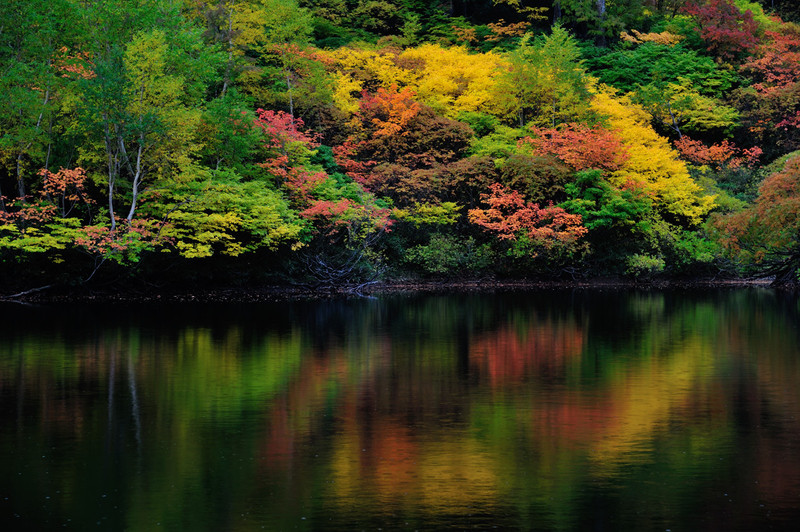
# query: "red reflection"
510,354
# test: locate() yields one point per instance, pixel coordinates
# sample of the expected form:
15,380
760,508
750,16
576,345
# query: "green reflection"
531,410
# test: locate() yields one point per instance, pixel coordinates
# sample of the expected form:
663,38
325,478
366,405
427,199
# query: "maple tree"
343,221
387,111
580,146
535,228
772,104
728,31
396,144
720,155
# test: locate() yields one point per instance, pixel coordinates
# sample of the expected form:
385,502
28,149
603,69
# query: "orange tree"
765,238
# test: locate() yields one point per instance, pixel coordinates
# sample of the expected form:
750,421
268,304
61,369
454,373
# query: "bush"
643,266
447,254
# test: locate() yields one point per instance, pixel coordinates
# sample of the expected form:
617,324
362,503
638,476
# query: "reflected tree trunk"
137,420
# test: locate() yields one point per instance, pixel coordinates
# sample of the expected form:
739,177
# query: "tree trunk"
229,65
675,120
113,171
20,182
601,15
137,181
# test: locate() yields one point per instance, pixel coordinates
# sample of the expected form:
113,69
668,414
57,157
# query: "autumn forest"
338,142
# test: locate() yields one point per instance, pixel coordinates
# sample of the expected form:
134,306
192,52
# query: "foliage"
216,212
728,31
627,68
618,213
450,255
540,178
452,80
718,156
206,130
771,105
681,108
420,214
532,228
640,265
651,164
545,84
766,236
580,146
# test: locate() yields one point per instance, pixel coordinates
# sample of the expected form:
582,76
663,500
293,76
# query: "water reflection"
538,410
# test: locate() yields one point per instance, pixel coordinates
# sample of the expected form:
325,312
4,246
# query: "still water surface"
550,410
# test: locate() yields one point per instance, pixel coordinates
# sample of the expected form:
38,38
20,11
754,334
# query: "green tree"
546,82
141,106
36,39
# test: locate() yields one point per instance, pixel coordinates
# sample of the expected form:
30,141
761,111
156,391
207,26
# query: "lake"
531,410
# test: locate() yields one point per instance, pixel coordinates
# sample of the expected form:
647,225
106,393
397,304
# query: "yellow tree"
263,40
651,162
453,80
357,69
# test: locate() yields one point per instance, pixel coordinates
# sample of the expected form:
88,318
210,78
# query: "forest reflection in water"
546,410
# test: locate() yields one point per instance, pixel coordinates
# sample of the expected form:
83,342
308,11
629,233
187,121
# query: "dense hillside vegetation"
339,141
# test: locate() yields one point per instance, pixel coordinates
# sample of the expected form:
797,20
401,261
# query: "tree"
766,236
273,34
344,222
545,84
159,124
216,212
530,227
771,106
580,146
398,144
35,38
136,108
601,18
452,80
729,32
717,156
228,134
540,178
612,212
651,162
681,108
639,65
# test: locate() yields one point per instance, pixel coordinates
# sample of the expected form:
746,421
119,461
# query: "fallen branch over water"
26,292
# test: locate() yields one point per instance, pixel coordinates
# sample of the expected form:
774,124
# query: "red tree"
511,218
724,154
580,146
727,31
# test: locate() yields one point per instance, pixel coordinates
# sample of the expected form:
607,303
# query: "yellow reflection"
643,398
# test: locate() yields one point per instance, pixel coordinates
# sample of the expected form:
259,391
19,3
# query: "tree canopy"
341,142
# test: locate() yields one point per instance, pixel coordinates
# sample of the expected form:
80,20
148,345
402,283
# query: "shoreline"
277,293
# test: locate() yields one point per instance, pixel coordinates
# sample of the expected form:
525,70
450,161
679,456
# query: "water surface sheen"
548,410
